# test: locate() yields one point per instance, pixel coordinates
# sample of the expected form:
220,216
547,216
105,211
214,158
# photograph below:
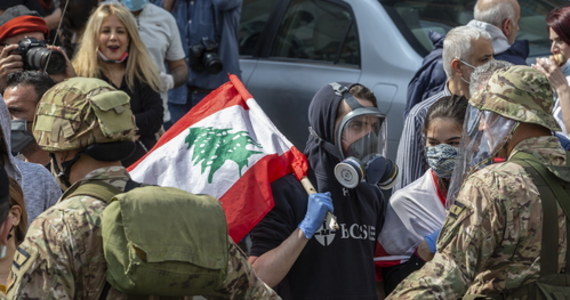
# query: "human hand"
69,71
168,80
317,207
552,71
9,63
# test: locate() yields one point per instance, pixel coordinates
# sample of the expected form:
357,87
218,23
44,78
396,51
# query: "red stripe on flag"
250,198
212,103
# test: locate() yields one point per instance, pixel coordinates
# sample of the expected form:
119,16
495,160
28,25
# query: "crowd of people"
480,207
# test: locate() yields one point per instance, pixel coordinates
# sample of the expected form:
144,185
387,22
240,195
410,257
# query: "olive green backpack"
160,241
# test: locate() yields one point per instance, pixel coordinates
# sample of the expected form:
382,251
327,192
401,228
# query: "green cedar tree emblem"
213,147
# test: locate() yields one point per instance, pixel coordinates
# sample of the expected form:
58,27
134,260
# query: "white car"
291,48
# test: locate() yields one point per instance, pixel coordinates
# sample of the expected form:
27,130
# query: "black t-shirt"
333,265
147,107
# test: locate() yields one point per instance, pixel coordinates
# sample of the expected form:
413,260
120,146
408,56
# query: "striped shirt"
411,150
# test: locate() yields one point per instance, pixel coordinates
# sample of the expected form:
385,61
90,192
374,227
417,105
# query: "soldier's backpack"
552,189
160,241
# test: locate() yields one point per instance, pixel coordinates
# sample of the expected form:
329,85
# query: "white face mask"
470,66
2,251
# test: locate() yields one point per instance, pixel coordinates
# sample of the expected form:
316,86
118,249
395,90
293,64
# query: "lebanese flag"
228,148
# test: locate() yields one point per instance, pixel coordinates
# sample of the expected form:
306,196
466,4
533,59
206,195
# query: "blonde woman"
18,221
111,49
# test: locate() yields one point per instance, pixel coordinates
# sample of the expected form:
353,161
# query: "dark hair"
362,92
559,20
39,80
449,107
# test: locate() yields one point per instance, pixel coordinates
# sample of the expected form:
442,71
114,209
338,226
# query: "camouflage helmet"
520,93
79,112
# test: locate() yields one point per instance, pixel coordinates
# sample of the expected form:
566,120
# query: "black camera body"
204,57
36,56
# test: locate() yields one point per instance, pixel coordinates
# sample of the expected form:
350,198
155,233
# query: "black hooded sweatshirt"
334,264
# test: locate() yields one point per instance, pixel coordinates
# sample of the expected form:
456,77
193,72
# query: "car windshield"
416,19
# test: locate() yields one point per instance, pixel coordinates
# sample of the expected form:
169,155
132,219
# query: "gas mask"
441,159
362,131
135,5
485,134
20,136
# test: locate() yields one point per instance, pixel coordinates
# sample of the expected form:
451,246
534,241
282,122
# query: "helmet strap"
62,175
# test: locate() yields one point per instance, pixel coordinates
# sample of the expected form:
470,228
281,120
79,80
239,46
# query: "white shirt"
413,212
159,33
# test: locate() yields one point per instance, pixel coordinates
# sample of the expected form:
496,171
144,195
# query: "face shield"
485,134
362,134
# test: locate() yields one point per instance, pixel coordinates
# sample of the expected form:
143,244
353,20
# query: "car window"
416,19
254,16
318,30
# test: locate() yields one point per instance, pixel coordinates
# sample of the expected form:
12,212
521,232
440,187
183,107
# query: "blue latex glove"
431,240
317,207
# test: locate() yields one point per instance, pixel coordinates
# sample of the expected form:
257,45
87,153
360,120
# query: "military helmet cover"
79,112
520,93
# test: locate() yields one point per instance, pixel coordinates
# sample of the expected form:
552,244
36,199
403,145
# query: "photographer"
209,36
23,47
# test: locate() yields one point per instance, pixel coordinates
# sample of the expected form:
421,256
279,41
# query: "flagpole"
330,218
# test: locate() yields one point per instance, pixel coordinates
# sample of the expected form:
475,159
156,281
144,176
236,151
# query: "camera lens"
37,58
212,63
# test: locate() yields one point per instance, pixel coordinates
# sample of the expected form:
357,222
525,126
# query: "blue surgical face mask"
441,159
135,5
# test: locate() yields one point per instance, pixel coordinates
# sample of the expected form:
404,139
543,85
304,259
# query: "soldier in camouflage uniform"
88,127
491,241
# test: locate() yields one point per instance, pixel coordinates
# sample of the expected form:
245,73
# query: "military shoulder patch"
20,258
456,209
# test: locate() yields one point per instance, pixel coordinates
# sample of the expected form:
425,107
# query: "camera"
35,56
204,57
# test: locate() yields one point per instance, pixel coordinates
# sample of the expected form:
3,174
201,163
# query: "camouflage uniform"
62,254
492,237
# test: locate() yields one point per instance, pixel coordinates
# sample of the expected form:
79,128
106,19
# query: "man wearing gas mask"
491,244
292,250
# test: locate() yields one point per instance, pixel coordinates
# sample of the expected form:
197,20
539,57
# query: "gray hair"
495,12
482,74
457,44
